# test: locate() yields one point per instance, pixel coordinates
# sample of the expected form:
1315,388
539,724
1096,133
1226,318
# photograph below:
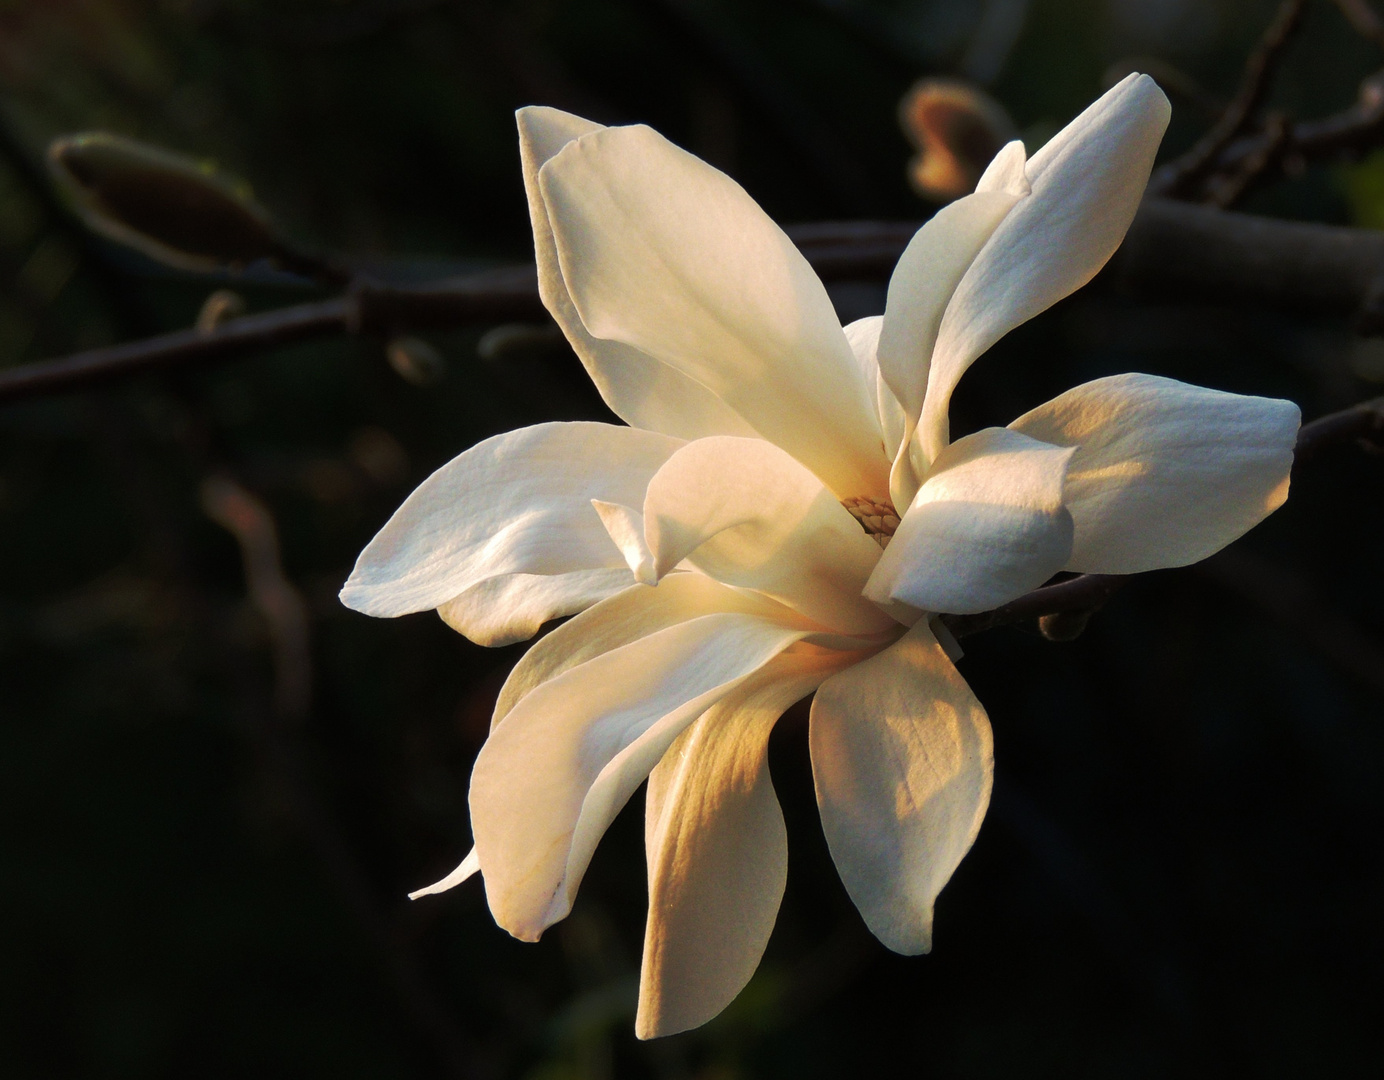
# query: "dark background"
1181,873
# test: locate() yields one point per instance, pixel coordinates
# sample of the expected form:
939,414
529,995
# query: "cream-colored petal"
923,282
748,514
664,253
1087,183
1007,171
507,608
988,526
517,503
902,757
625,526
555,772
1164,473
639,389
863,336
635,613
470,866
716,848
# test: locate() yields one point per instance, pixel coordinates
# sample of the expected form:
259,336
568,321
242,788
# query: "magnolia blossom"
786,513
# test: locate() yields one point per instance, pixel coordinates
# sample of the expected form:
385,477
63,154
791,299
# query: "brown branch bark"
1173,249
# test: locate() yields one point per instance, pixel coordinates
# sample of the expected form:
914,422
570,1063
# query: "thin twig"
1364,18
1181,175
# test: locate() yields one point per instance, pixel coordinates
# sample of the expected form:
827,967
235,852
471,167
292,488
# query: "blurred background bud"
957,129
416,361
179,210
518,340
221,305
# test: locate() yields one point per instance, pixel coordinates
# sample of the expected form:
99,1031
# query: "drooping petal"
517,503
1087,183
1164,473
902,757
507,608
664,253
748,514
635,613
470,866
716,848
557,769
639,389
988,526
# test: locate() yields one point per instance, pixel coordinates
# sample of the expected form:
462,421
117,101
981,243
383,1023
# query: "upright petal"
988,526
748,514
1164,473
903,758
1087,183
557,769
515,504
863,336
716,848
639,389
664,253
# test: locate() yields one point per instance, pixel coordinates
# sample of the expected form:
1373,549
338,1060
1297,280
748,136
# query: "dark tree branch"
1364,18
1173,249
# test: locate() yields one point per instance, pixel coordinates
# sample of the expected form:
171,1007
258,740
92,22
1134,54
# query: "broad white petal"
511,607
517,503
639,389
902,757
988,526
664,253
470,866
1164,473
634,613
557,769
716,848
748,514
1087,183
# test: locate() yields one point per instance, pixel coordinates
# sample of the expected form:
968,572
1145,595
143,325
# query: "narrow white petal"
923,282
988,526
470,866
748,514
639,389
1164,473
1087,183
1007,171
517,503
863,336
632,614
669,256
625,525
716,848
557,769
902,757
507,608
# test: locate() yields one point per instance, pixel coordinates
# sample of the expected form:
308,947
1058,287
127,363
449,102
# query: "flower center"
878,519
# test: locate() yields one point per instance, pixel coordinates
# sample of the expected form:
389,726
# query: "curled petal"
507,608
748,514
563,761
667,255
515,504
716,847
903,759
1087,183
1164,473
470,866
639,389
988,526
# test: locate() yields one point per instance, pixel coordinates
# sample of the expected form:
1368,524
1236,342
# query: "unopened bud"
957,129
416,361
1064,625
176,209
221,305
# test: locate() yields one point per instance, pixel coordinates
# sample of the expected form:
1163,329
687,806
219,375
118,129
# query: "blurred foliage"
1181,872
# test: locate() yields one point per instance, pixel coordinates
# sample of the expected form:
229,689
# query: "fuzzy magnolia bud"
957,129
176,209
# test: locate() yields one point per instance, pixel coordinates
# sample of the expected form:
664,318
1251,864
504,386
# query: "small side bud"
416,361
511,340
178,210
1064,625
221,305
957,129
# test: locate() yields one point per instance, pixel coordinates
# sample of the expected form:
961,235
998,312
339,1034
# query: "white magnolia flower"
784,513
